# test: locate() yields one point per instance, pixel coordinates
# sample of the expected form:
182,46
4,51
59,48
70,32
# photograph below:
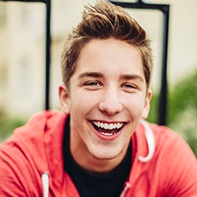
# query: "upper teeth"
108,126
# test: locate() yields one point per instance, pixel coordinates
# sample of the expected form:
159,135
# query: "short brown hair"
103,21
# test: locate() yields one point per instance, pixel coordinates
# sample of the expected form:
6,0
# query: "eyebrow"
90,74
131,77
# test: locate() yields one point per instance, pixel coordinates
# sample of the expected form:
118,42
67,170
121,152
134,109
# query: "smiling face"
107,98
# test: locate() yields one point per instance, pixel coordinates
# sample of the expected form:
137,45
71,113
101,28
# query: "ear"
147,104
64,98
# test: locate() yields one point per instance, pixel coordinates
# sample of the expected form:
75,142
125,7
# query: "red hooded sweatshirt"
32,164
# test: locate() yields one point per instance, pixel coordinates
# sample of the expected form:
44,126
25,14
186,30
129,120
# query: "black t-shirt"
95,184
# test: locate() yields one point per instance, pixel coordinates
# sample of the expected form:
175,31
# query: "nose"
110,103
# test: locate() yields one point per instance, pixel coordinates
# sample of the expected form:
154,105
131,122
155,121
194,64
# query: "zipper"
126,188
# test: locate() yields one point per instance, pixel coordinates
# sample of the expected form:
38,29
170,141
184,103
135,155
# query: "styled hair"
102,21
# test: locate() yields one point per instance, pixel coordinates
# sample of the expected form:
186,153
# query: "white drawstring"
127,186
45,184
150,141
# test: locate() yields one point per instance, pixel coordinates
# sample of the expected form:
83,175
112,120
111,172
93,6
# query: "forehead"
109,56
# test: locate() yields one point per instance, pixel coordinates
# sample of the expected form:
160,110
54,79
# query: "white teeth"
108,126
111,126
106,134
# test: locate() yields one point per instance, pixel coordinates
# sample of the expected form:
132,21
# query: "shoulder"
31,138
170,145
15,171
153,139
164,135
23,157
170,141
163,163
175,160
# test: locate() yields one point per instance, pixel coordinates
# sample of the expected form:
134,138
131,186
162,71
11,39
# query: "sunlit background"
22,60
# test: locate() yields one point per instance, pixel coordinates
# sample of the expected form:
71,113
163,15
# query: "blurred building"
22,48
22,53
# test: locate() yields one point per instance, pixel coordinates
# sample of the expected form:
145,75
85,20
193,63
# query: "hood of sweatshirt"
42,137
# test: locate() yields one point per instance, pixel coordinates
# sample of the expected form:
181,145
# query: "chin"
106,153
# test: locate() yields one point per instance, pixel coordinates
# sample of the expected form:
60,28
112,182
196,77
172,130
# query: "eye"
129,87
93,85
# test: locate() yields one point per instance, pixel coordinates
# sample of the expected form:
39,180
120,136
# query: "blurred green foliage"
182,109
7,126
183,98
182,112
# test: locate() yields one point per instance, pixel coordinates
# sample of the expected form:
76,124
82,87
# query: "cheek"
135,104
83,101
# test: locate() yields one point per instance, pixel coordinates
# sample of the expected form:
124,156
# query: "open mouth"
107,129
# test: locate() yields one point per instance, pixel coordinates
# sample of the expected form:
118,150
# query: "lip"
105,137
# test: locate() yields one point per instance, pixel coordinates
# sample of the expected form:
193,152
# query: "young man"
101,144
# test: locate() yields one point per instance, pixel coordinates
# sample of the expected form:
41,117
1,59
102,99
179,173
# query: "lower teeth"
107,134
